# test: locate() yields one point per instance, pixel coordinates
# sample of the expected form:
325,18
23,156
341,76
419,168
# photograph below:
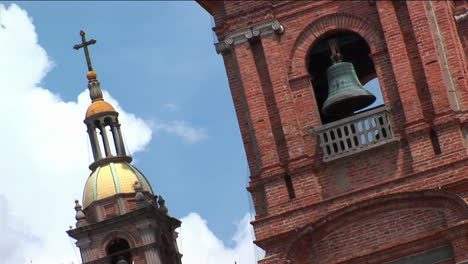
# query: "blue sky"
148,55
158,61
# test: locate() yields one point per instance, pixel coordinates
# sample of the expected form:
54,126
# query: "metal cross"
84,44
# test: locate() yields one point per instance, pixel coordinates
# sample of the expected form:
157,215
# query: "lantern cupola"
103,127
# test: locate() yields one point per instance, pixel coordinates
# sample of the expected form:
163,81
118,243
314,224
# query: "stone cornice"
150,212
242,35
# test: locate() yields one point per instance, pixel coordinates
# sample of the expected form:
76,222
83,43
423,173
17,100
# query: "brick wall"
419,51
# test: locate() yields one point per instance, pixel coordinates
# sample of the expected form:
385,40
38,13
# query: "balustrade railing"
354,134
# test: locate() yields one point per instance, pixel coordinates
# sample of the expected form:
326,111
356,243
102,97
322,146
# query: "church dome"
111,179
99,106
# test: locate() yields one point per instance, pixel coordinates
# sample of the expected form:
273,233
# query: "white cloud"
14,235
45,155
181,128
170,107
199,245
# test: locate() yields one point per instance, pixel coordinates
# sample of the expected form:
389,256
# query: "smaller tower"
121,221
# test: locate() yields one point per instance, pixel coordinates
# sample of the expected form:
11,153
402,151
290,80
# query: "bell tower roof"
98,107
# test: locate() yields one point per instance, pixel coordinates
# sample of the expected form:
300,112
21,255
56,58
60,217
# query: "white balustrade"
356,133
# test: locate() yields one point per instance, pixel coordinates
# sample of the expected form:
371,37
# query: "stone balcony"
354,134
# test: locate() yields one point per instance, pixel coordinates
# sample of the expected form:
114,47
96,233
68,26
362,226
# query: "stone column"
96,148
116,136
86,251
121,204
121,142
147,233
105,140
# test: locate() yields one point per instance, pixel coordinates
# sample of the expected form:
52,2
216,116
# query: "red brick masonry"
391,204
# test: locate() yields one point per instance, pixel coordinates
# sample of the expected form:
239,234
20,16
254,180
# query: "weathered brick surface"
420,56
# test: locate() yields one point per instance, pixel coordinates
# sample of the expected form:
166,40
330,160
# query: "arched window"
110,136
353,49
118,250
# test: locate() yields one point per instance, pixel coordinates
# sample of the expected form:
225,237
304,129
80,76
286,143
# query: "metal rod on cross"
84,44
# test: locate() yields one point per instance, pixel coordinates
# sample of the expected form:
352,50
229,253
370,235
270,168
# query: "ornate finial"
162,205
95,92
94,87
80,216
277,27
137,186
139,196
84,44
91,75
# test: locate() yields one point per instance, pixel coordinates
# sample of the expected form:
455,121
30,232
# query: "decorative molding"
83,242
243,35
461,16
145,225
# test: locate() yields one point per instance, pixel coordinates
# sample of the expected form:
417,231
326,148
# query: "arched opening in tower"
352,48
118,251
111,135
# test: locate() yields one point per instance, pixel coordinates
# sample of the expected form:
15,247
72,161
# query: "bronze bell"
345,92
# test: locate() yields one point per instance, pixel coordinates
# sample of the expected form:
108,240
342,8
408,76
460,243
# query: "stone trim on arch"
113,235
328,23
437,199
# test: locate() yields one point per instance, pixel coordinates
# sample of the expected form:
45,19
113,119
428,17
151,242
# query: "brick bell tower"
121,220
332,182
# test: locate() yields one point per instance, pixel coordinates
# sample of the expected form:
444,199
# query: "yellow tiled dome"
99,106
111,179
